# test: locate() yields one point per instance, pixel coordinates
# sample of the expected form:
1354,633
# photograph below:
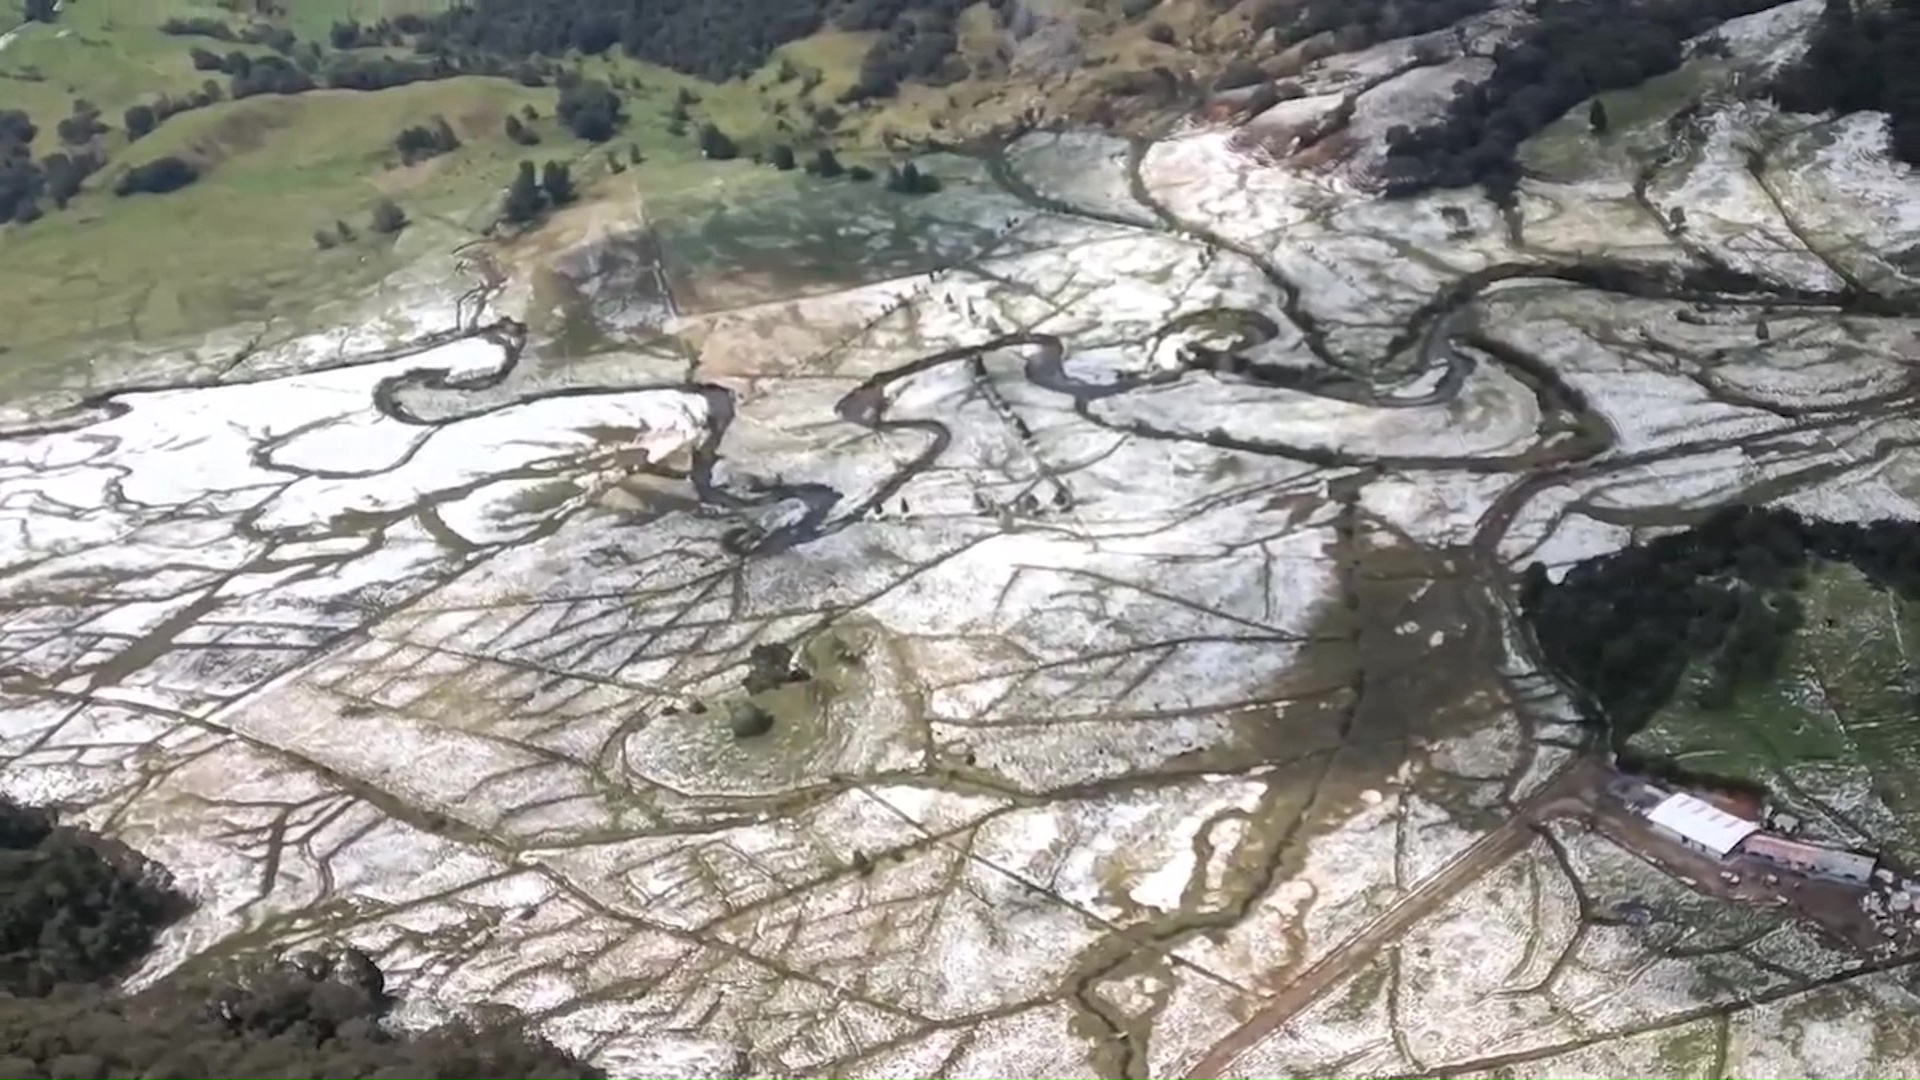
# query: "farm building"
1813,860
1699,824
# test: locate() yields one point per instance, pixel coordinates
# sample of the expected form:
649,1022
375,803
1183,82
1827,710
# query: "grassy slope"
238,246
1844,697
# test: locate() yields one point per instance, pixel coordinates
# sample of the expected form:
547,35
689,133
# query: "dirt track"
1559,797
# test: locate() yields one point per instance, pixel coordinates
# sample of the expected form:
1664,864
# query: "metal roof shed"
1701,823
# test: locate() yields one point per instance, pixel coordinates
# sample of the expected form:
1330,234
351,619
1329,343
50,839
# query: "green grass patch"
112,54
1845,695
239,244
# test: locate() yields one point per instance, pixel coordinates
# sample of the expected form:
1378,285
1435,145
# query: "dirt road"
1559,797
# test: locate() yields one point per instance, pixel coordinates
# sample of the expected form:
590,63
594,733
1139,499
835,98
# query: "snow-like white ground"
1127,708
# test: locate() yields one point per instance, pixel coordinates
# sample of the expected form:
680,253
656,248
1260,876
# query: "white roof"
1702,822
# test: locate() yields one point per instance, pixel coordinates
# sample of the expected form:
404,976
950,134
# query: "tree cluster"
22,177
141,119
82,125
76,910
590,109
1862,60
907,179
199,26
26,184
918,44
531,192
1625,627
423,141
519,132
380,72
41,10
353,34
248,77
1574,51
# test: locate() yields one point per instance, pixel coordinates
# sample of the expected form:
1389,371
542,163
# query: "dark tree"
1597,117
26,212
41,10
63,176
524,201
716,145
590,109
557,181
859,174
83,125
520,132
1238,74
824,164
159,176
140,121
1264,97
907,179
633,153
388,218
781,157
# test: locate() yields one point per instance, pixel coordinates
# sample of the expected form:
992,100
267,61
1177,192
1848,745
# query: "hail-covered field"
1122,690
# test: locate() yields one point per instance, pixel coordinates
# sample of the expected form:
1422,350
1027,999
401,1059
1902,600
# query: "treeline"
1356,24
1625,627
714,39
278,38
1867,59
77,911
1576,49
250,75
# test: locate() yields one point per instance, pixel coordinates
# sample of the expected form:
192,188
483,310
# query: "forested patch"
1575,50
918,44
1626,627
73,909
715,39
76,910
1865,59
1355,24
